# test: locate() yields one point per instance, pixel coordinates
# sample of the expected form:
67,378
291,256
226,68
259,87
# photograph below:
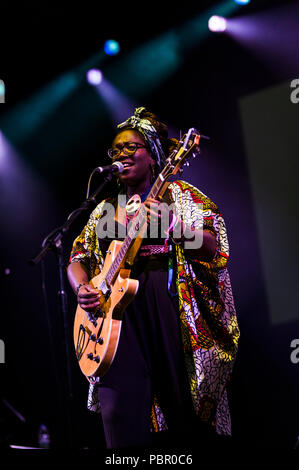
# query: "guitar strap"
172,262
120,215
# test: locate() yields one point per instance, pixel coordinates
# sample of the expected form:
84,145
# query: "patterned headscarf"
149,133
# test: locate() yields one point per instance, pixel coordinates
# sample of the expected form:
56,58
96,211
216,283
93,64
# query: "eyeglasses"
129,148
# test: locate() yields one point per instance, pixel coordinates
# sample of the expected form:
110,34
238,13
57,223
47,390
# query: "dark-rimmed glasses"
128,148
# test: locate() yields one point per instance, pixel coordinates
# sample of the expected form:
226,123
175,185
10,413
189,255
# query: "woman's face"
139,163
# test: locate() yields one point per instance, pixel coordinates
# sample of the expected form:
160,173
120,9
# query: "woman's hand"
158,214
88,297
199,243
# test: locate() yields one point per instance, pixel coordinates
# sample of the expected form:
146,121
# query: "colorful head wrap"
149,133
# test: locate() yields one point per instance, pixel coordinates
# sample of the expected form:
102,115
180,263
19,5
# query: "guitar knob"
100,340
92,337
90,356
97,359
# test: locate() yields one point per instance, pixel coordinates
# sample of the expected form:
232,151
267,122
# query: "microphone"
116,167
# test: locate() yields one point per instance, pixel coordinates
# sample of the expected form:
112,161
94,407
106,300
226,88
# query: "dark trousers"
149,360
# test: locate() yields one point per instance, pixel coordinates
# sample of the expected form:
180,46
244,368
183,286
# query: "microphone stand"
53,241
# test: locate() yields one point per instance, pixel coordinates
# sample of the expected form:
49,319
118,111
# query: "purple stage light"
217,24
272,36
118,105
24,196
94,76
2,149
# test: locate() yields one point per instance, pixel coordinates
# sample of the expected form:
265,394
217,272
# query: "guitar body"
96,334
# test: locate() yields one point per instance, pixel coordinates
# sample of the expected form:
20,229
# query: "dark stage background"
55,128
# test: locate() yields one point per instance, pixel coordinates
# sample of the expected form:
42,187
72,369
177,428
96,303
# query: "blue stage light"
111,47
242,2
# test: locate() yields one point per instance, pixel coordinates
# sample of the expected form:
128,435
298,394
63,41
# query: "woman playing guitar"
179,333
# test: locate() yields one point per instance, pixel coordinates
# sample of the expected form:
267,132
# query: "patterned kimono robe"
207,314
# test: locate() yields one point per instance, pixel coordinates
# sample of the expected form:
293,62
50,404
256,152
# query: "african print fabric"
149,133
207,313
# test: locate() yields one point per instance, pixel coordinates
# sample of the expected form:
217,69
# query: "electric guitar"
96,333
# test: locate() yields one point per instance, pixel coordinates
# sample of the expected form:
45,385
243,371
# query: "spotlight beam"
140,71
25,118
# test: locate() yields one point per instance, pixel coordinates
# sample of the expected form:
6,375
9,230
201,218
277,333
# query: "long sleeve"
208,318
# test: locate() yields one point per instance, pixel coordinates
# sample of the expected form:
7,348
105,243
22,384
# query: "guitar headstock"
188,146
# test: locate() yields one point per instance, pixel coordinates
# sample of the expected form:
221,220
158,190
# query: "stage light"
111,47
94,76
242,2
217,24
117,103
